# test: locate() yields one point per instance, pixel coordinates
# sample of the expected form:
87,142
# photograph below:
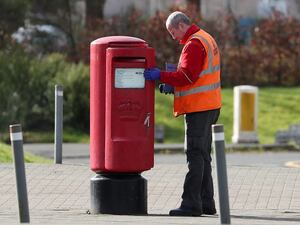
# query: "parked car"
41,39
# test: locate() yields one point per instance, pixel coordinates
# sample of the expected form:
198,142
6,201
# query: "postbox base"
121,194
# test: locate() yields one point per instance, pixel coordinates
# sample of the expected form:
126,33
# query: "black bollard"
16,139
58,126
219,146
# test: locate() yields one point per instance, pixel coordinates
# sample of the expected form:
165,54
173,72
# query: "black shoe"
184,212
209,211
209,207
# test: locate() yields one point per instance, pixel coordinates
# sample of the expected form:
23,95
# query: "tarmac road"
79,154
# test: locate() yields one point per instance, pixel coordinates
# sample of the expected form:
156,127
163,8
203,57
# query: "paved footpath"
60,194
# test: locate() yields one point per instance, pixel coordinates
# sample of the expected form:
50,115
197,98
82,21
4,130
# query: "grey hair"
177,17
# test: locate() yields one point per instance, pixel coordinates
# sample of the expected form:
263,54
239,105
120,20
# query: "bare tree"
94,10
12,15
195,3
298,5
58,13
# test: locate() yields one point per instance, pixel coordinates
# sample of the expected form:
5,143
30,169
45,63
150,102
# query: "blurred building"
251,8
210,8
149,7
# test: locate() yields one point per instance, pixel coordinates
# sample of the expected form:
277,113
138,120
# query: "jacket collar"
192,29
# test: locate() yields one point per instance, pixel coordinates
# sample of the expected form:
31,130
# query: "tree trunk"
195,3
94,10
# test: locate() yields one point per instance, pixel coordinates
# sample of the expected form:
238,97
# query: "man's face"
176,33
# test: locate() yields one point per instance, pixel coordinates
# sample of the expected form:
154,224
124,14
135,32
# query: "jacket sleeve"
190,65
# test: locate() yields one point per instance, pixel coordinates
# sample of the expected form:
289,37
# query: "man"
197,96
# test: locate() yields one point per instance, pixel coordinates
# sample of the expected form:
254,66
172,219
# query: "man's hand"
152,74
165,88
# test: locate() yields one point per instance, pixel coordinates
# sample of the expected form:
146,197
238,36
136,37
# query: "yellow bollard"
245,114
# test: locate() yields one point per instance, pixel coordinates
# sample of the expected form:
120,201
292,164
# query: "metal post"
58,136
219,146
16,139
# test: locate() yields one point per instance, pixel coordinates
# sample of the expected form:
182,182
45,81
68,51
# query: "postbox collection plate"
129,78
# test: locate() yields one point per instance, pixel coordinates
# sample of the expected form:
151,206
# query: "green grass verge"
173,126
69,136
278,108
6,156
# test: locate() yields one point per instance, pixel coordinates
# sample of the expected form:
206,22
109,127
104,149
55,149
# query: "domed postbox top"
119,40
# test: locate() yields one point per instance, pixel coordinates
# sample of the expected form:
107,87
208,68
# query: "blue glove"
165,88
152,74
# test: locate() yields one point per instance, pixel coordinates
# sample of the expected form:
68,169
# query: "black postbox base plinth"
121,194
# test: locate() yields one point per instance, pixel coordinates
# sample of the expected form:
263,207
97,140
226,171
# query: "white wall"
115,7
248,8
210,8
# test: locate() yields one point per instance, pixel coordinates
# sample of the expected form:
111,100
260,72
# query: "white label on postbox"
129,78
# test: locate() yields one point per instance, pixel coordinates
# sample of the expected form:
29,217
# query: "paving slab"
60,194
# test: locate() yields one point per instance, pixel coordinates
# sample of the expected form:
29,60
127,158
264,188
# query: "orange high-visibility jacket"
205,93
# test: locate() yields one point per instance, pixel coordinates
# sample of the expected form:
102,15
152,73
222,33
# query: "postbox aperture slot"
130,60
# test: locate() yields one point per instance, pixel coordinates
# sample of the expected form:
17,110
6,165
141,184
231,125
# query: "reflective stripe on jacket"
205,93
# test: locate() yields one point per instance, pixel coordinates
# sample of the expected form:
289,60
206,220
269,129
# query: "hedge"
27,90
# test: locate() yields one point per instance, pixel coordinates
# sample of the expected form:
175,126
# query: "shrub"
14,91
43,72
75,81
27,91
271,57
133,23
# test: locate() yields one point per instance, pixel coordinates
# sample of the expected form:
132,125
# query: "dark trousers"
198,191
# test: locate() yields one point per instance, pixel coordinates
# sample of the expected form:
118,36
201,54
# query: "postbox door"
129,145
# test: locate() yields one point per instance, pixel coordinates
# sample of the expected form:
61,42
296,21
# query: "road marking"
293,164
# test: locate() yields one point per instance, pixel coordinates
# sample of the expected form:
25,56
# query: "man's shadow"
167,215
267,218
238,217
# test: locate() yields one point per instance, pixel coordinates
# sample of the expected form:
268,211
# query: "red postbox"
122,105
121,124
